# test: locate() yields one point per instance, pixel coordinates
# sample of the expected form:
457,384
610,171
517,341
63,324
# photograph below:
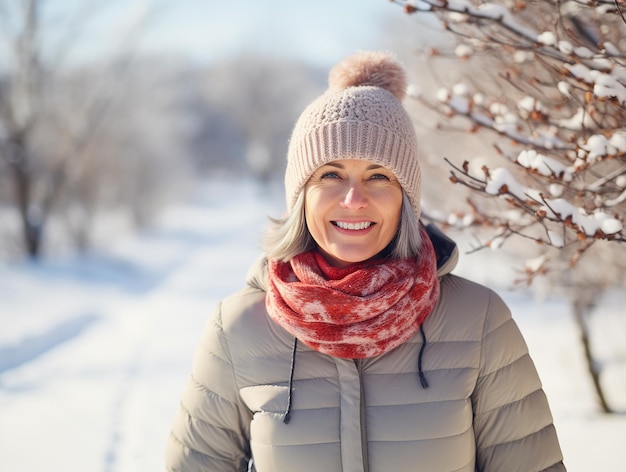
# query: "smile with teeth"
353,226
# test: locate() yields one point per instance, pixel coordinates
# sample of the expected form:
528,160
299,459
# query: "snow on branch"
466,10
547,80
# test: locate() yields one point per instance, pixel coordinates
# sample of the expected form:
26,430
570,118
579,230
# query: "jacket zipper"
359,368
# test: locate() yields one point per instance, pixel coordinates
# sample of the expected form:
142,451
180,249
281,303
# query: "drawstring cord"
422,377
287,414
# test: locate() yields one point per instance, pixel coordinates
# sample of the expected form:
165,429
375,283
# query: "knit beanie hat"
360,116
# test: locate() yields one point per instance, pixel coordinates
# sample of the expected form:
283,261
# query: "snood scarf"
360,311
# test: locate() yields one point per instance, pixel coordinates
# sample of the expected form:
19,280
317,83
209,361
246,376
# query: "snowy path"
94,352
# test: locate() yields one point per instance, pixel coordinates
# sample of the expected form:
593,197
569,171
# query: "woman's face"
352,210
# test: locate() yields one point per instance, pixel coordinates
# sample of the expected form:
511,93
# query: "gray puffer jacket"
256,394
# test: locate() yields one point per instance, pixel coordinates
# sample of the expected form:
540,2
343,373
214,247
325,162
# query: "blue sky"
320,31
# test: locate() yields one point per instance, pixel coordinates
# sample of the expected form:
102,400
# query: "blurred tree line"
110,140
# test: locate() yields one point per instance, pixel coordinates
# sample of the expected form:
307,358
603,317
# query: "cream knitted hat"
360,116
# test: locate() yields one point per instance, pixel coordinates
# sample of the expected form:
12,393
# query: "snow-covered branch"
549,84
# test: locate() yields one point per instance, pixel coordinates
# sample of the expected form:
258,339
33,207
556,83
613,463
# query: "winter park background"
160,216
94,350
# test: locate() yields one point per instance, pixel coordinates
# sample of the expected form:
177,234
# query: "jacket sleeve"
211,429
512,420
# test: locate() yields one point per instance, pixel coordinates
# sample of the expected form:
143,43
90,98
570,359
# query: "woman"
353,348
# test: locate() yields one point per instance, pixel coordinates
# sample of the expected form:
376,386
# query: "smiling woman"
400,364
352,209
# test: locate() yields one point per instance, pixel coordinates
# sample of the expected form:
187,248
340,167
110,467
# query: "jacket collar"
445,248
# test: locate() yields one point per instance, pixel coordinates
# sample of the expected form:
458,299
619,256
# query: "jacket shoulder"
249,331
246,303
467,310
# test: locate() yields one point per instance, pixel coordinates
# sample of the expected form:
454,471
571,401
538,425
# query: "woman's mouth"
353,226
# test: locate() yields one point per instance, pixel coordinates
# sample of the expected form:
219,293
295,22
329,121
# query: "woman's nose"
354,198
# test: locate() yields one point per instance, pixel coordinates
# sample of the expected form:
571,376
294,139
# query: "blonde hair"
290,236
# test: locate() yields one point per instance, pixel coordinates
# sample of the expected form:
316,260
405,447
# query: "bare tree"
135,162
549,85
52,115
21,89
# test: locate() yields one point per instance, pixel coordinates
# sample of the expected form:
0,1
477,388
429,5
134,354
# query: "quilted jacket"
258,400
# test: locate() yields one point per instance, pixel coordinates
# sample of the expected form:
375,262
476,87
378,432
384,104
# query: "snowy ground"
94,351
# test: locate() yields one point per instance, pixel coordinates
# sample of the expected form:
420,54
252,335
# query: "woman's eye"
380,176
329,175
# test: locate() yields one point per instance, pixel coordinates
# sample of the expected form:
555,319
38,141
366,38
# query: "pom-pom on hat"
360,116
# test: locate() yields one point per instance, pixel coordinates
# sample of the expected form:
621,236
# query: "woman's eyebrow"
339,165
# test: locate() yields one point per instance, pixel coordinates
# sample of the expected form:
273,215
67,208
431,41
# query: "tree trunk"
31,229
582,309
22,181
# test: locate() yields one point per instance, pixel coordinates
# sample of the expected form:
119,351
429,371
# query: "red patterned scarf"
360,311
